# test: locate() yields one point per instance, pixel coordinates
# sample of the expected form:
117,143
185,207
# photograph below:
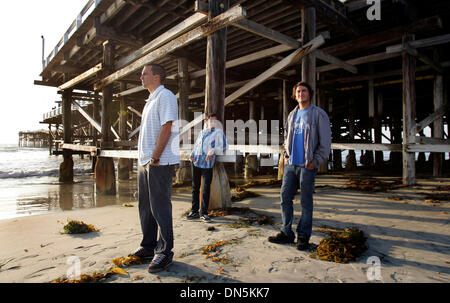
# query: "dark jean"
295,177
197,174
155,208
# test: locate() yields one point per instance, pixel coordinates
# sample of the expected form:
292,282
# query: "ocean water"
29,184
34,164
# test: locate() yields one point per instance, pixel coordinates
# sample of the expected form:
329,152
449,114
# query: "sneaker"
302,243
280,238
142,253
192,215
159,263
205,218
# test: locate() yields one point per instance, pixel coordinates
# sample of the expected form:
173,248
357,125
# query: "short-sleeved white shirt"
161,107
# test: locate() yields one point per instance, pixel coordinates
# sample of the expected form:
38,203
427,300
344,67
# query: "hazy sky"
21,25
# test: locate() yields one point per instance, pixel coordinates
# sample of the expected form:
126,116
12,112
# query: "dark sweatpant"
197,174
155,208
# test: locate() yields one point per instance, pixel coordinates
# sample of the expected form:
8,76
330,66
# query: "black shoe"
205,218
193,215
280,238
302,243
143,254
159,263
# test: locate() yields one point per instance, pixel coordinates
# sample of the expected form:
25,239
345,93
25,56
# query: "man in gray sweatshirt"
307,143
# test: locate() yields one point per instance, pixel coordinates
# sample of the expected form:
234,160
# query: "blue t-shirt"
298,145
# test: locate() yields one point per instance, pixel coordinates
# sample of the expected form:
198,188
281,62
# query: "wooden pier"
384,83
34,139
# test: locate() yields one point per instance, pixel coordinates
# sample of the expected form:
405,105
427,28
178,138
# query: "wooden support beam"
367,146
327,15
247,59
438,124
105,32
135,111
409,114
232,15
191,124
129,91
82,77
88,117
90,149
174,32
336,62
432,141
45,83
371,41
216,50
266,32
422,57
134,132
201,6
309,61
72,47
428,42
357,61
108,61
290,59
439,113
424,148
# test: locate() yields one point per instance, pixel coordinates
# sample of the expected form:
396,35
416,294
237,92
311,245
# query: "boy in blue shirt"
210,141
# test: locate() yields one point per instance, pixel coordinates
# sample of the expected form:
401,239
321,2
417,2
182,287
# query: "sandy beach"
406,232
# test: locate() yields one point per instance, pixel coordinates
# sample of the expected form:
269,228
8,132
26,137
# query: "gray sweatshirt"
317,135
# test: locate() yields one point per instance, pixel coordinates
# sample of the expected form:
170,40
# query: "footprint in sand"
38,273
28,257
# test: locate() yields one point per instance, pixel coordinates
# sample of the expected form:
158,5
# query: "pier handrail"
91,4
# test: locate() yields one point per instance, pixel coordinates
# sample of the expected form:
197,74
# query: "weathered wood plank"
82,77
88,117
433,41
435,148
435,141
367,146
135,111
409,114
134,132
338,63
439,113
86,148
169,35
290,59
360,60
232,15
261,30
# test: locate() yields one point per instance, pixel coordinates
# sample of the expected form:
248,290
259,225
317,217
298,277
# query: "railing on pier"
58,111
91,5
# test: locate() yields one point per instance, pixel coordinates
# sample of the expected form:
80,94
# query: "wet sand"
408,235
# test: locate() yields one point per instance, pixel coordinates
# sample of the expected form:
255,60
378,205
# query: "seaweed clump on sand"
101,277
77,227
371,184
341,246
260,183
239,194
250,216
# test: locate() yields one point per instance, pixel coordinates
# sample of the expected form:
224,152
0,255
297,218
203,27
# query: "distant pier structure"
34,139
380,70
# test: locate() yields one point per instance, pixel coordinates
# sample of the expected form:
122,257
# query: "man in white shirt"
158,149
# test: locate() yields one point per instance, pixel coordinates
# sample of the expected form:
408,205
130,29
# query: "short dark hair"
211,115
159,70
305,84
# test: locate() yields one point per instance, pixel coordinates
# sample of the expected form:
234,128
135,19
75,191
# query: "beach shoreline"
409,236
